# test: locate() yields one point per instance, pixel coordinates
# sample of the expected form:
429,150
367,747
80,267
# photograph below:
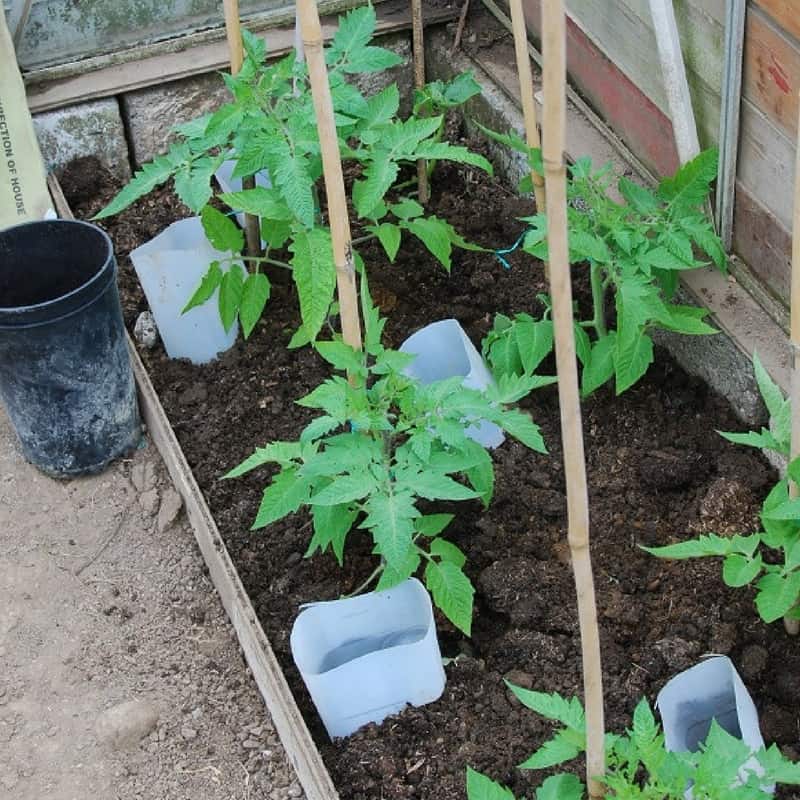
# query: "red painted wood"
629,113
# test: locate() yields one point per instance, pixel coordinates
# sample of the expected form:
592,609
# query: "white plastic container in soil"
710,690
444,351
364,658
170,268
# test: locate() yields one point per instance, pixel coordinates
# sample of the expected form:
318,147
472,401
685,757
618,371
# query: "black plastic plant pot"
65,373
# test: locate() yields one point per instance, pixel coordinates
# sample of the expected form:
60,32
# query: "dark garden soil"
658,472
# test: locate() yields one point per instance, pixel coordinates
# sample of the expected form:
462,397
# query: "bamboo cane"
423,189
527,94
792,625
554,84
233,31
332,168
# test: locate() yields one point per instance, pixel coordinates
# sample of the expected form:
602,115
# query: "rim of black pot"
82,288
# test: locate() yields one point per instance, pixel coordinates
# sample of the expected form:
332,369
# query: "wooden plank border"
270,680
152,65
267,673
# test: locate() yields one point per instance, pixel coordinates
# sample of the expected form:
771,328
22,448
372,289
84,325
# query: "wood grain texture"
763,242
771,77
627,111
784,12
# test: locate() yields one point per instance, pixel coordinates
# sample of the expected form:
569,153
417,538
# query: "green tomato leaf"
601,364
223,233
738,570
283,496
565,786
255,294
447,551
211,280
230,295
479,787
432,524
777,594
315,275
452,592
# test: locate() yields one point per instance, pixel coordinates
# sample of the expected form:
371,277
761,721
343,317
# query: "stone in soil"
123,726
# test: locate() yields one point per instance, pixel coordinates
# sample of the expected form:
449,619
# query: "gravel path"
120,676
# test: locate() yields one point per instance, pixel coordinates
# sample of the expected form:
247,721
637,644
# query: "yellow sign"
23,188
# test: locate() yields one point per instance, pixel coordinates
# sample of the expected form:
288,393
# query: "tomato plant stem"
598,300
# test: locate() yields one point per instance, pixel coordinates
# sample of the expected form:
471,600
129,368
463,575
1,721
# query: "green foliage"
382,443
638,766
744,558
269,126
635,251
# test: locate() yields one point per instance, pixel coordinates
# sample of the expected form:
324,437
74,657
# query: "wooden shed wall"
613,60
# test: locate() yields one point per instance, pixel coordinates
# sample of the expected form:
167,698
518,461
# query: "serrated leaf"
261,201
283,453
344,489
319,427
738,570
631,362
435,486
379,175
601,364
447,551
481,474
342,357
371,59
283,496
763,441
553,706
432,524
152,174
523,428
790,510
393,575
643,200
389,236
391,517
452,592
255,294
689,186
355,31
479,787
193,182
230,295
382,107
330,396
223,233
706,545
565,786
777,594
534,341
331,526
315,275
564,746
406,209
444,151
584,246
208,285
290,171
770,391
433,233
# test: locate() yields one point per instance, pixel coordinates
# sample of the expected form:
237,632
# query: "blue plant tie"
499,254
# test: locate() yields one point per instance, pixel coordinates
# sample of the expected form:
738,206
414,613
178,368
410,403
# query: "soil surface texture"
658,472
120,675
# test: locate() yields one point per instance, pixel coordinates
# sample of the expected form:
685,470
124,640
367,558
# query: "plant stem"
362,239
377,571
598,300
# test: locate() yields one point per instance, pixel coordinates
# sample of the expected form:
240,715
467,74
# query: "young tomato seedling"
635,251
270,127
745,559
383,443
638,765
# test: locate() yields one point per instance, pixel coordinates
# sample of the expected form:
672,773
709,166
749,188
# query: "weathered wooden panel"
772,70
632,116
785,12
763,242
64,30
766,162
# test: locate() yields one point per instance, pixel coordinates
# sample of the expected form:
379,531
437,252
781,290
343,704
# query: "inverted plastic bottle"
444,351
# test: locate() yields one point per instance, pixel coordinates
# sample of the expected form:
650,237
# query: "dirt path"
120,676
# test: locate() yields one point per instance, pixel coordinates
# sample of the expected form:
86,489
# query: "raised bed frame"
498,106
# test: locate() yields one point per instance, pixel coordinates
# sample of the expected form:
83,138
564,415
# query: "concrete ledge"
722,361
88,129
